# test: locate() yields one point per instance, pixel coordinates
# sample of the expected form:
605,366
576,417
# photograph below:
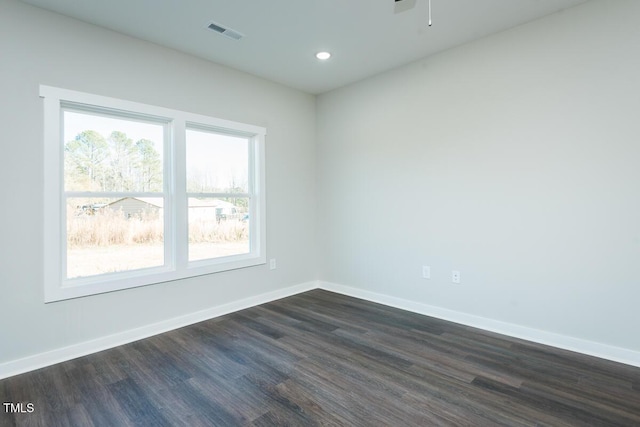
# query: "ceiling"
281,37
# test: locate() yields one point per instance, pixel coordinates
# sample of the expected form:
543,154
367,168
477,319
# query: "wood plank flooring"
321,358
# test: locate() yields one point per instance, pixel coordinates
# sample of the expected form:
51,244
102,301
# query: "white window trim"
177,265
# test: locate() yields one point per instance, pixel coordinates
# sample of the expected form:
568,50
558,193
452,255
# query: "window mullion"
179,181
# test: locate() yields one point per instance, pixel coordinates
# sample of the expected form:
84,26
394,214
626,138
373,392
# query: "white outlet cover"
426,272
455,276
272,264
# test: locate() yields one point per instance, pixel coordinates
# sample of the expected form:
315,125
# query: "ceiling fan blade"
402,5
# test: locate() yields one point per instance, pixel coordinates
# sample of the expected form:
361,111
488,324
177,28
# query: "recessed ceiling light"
323,55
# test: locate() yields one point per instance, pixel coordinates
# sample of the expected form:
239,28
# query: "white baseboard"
64,354
590,348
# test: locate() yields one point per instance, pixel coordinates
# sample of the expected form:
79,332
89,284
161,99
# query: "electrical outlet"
455,276
426,272
272,264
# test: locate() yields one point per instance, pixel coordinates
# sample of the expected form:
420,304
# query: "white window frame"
177,266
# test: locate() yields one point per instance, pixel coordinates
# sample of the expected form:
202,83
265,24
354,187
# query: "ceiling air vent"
227,32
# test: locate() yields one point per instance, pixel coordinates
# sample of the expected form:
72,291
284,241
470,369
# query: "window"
218,194
137,194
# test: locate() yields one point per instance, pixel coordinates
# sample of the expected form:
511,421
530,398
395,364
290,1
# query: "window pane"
218,227
112,235
217,163
104,153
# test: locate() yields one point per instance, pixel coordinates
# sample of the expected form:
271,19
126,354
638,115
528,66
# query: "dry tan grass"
107,241
202,231
108,227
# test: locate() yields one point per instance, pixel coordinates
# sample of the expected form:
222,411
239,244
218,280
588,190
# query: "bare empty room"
398,213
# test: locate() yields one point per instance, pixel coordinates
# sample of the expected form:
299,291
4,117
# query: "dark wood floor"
324,359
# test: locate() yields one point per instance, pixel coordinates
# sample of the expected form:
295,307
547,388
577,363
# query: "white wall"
514,159
39,47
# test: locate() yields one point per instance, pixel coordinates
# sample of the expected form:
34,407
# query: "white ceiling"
281,38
